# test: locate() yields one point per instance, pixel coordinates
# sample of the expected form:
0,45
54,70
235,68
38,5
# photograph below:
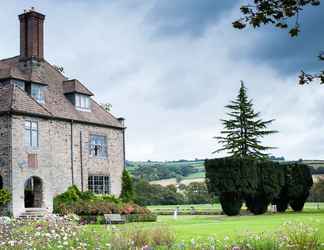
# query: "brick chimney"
31,35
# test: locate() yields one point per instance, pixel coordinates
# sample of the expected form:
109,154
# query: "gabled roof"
57,105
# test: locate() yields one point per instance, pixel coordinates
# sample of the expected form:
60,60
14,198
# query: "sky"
170,67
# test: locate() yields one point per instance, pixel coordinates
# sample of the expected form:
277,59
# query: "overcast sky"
169,67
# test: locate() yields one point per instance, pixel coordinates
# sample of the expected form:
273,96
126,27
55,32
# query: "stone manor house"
52,133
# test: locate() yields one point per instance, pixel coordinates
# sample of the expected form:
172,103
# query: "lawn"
189,227
309,206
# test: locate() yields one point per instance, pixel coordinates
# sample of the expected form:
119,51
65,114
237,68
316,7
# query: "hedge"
141,217
258,183
187,212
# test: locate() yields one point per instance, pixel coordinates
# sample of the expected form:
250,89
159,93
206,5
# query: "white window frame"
99,184
82,102
96,147
39,93
31,129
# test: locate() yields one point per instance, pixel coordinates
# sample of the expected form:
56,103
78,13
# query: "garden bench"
114,218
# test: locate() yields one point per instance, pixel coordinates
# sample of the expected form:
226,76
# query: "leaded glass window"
99,184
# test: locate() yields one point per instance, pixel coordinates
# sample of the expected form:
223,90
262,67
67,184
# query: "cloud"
291,55
170,68
186,17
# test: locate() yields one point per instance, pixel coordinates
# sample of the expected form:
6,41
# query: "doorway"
33,192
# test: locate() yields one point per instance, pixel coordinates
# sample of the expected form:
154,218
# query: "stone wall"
5,156
54,158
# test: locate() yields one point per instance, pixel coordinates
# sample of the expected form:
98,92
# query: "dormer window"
37,92
19,83
82,102
78,94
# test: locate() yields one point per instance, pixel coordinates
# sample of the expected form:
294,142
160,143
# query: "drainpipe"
122,121
81,160
72,171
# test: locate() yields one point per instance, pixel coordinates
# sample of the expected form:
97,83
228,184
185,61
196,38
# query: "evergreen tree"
244,129
127,192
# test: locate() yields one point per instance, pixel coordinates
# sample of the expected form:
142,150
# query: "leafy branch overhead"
279,14
243,129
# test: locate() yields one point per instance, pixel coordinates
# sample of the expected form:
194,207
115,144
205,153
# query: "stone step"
36,209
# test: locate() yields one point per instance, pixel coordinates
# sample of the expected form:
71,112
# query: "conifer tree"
244,129
127,191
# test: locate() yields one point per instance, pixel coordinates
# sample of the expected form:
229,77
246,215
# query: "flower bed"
64,233
92,208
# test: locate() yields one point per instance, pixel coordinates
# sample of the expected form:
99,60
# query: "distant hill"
153,170
187,171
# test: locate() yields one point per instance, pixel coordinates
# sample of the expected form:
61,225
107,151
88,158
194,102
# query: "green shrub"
231,179
187,212
89,206
259,183
108,197
299,182
270,181
72,194
141,217
257,204
92,219
281,201
5,197
127,192
132,208
73,198
231,203
95,207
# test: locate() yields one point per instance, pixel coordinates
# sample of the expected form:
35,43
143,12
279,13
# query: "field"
221,226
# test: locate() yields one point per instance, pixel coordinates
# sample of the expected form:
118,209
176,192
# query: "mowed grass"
309,206
193,227
220,226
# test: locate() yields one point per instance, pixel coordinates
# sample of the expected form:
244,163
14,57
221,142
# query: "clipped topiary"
230,178
231,203
281,201
270,181
299,182
298,204
256,204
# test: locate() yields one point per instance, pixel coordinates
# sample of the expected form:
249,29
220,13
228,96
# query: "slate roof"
57,105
